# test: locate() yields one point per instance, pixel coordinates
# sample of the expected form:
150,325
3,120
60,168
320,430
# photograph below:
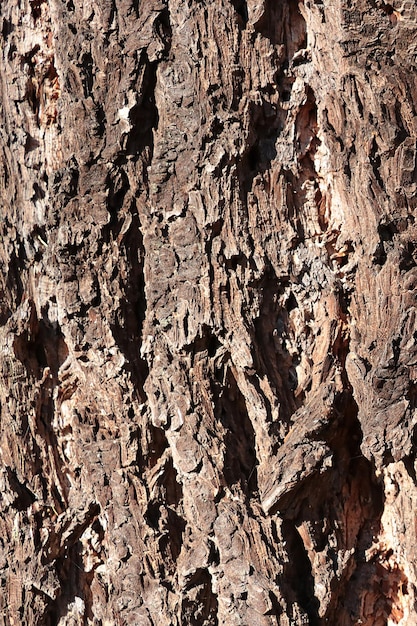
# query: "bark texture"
207,312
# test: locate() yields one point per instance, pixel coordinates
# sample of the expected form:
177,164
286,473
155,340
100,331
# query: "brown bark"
208,373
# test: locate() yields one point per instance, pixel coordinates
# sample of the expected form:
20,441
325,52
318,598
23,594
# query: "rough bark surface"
208,337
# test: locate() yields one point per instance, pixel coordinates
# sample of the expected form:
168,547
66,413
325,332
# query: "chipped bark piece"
207,312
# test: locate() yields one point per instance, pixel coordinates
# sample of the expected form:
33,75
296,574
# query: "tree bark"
207,314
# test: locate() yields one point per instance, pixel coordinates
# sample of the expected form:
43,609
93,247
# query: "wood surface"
208,312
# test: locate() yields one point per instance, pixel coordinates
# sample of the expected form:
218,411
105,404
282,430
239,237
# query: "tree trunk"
207,315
